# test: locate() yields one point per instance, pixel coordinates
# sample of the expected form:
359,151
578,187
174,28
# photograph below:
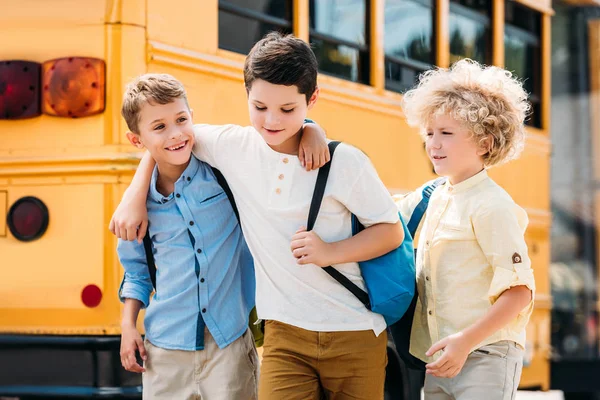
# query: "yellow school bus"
65,160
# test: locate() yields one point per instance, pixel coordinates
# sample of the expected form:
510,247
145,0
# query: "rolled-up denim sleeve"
499,229
136,282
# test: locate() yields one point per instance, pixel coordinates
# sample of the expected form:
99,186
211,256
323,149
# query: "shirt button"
280,177
199,251
189,179
191,223
450,189
427,243
430,312
278,191
177,195
201,280
285,160
204,310
426,278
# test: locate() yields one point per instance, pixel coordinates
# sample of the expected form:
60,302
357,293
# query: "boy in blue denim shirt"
197,340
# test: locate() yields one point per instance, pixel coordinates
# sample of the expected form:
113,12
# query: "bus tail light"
19,89
73,87
28,219
91,296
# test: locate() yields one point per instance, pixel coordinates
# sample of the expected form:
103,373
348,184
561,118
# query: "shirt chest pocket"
456,230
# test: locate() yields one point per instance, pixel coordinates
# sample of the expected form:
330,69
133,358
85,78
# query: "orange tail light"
73,87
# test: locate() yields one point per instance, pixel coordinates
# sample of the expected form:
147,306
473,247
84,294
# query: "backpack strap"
315,205
148,242
420,209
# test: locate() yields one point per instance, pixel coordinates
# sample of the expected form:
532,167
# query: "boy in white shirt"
319,339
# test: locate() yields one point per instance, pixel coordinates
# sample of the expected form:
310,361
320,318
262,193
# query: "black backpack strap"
150,258
420,209
221,180
315,205
148,242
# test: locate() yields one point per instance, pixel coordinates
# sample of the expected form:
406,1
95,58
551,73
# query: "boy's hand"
308,248
130,220
313,152
131,340
456,350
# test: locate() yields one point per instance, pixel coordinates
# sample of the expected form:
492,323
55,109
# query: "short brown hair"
488,100
152,89
282,60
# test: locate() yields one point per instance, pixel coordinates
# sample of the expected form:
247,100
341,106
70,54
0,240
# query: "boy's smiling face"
452,149
167,131
277,112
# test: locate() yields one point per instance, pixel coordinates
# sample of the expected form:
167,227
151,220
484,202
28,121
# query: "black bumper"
65,367
576,376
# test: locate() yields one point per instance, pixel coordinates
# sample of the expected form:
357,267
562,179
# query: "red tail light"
73,87
28,219
91,296
19,89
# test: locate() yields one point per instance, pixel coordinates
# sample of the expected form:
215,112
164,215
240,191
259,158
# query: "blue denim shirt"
205,274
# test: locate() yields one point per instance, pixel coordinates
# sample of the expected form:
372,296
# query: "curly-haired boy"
474,275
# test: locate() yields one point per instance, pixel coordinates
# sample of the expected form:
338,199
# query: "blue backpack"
390,279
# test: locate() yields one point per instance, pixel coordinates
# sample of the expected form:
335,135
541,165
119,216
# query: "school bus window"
408,42
338,35
242,23
522,52
470,30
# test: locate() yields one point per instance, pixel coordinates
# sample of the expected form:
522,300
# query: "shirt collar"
467,183
185,179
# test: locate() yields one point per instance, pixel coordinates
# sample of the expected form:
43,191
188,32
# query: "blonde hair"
488,100
152,89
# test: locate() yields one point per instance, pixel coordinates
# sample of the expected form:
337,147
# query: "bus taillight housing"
73,87
28,219
19,89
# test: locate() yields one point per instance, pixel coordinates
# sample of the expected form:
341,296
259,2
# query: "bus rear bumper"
65,367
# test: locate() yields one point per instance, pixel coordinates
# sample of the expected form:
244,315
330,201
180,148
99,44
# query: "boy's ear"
313,98
486,146
135,139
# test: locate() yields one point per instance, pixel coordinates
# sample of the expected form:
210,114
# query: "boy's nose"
272,121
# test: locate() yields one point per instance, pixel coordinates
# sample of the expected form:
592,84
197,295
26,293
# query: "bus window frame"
486,19
252,15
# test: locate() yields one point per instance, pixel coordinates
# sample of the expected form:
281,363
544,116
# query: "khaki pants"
306,365
210,374
491,372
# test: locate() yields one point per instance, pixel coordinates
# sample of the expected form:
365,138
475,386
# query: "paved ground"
550,395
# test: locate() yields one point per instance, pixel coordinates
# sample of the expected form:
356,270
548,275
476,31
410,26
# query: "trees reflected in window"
339,37
408,42
470,30
522,53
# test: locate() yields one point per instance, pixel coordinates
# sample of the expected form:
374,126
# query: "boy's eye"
182,119
260,108
429,133
288,111
159,127
446,133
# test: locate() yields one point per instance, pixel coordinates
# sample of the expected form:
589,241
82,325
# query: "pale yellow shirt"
471,249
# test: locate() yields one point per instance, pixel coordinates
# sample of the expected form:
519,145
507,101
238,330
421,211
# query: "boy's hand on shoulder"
456,349
131,341
130,220
313,152
308,248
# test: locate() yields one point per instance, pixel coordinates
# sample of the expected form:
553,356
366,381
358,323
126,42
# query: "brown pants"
306,365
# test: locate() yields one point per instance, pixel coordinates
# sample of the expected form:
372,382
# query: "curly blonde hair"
488,100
